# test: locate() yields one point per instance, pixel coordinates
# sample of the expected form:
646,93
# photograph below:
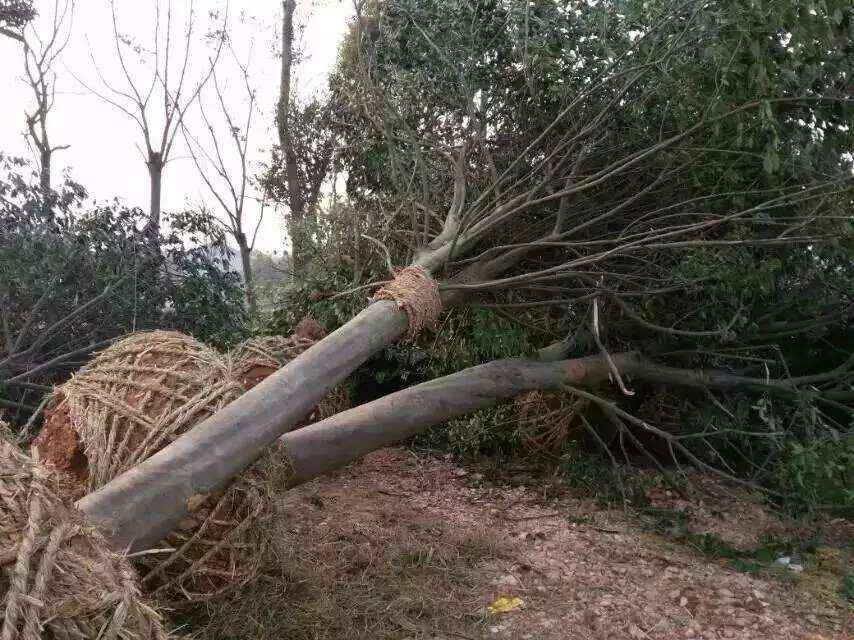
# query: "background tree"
302,160
14,16
225,169
71,280
41,53
169,86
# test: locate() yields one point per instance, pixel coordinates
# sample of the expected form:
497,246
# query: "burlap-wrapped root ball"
255,359
129,402
58,576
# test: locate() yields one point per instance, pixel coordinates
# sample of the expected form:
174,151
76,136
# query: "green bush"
819,474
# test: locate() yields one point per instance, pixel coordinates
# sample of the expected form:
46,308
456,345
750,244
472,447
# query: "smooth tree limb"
139,507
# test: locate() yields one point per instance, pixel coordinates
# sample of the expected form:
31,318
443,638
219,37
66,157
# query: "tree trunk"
142,505
155,173
44,175
248,279
296,201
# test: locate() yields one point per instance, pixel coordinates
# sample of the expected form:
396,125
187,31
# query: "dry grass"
367,566
407,548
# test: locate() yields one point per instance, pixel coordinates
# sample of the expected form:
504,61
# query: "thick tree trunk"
342,438
220,447
142,505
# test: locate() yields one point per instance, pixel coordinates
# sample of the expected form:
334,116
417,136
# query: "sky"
104,143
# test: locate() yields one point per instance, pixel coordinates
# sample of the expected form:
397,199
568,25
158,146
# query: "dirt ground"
405,547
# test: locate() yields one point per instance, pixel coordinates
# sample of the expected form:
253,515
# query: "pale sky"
104,154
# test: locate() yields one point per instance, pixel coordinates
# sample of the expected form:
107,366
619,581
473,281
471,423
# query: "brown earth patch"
401,547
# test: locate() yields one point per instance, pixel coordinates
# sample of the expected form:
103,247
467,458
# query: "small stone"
673,595
460,473
725,593
812,619
683,601
797,568
783,561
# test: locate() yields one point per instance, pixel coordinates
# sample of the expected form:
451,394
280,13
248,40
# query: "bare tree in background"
40,55
176,93
214,162
41,52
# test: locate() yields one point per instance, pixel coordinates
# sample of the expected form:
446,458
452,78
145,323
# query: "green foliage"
486,433
592,474
847,587
72,276
819,473
730,292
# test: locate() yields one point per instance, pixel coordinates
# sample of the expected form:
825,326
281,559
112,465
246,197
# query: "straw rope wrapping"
256,358
417,293
132,400
58,576
546,421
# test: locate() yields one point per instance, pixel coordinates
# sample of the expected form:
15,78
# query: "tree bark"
296,201
44,170
155,173
347,436
248,278
206,458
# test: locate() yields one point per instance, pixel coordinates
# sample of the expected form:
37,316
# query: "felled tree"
586,160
